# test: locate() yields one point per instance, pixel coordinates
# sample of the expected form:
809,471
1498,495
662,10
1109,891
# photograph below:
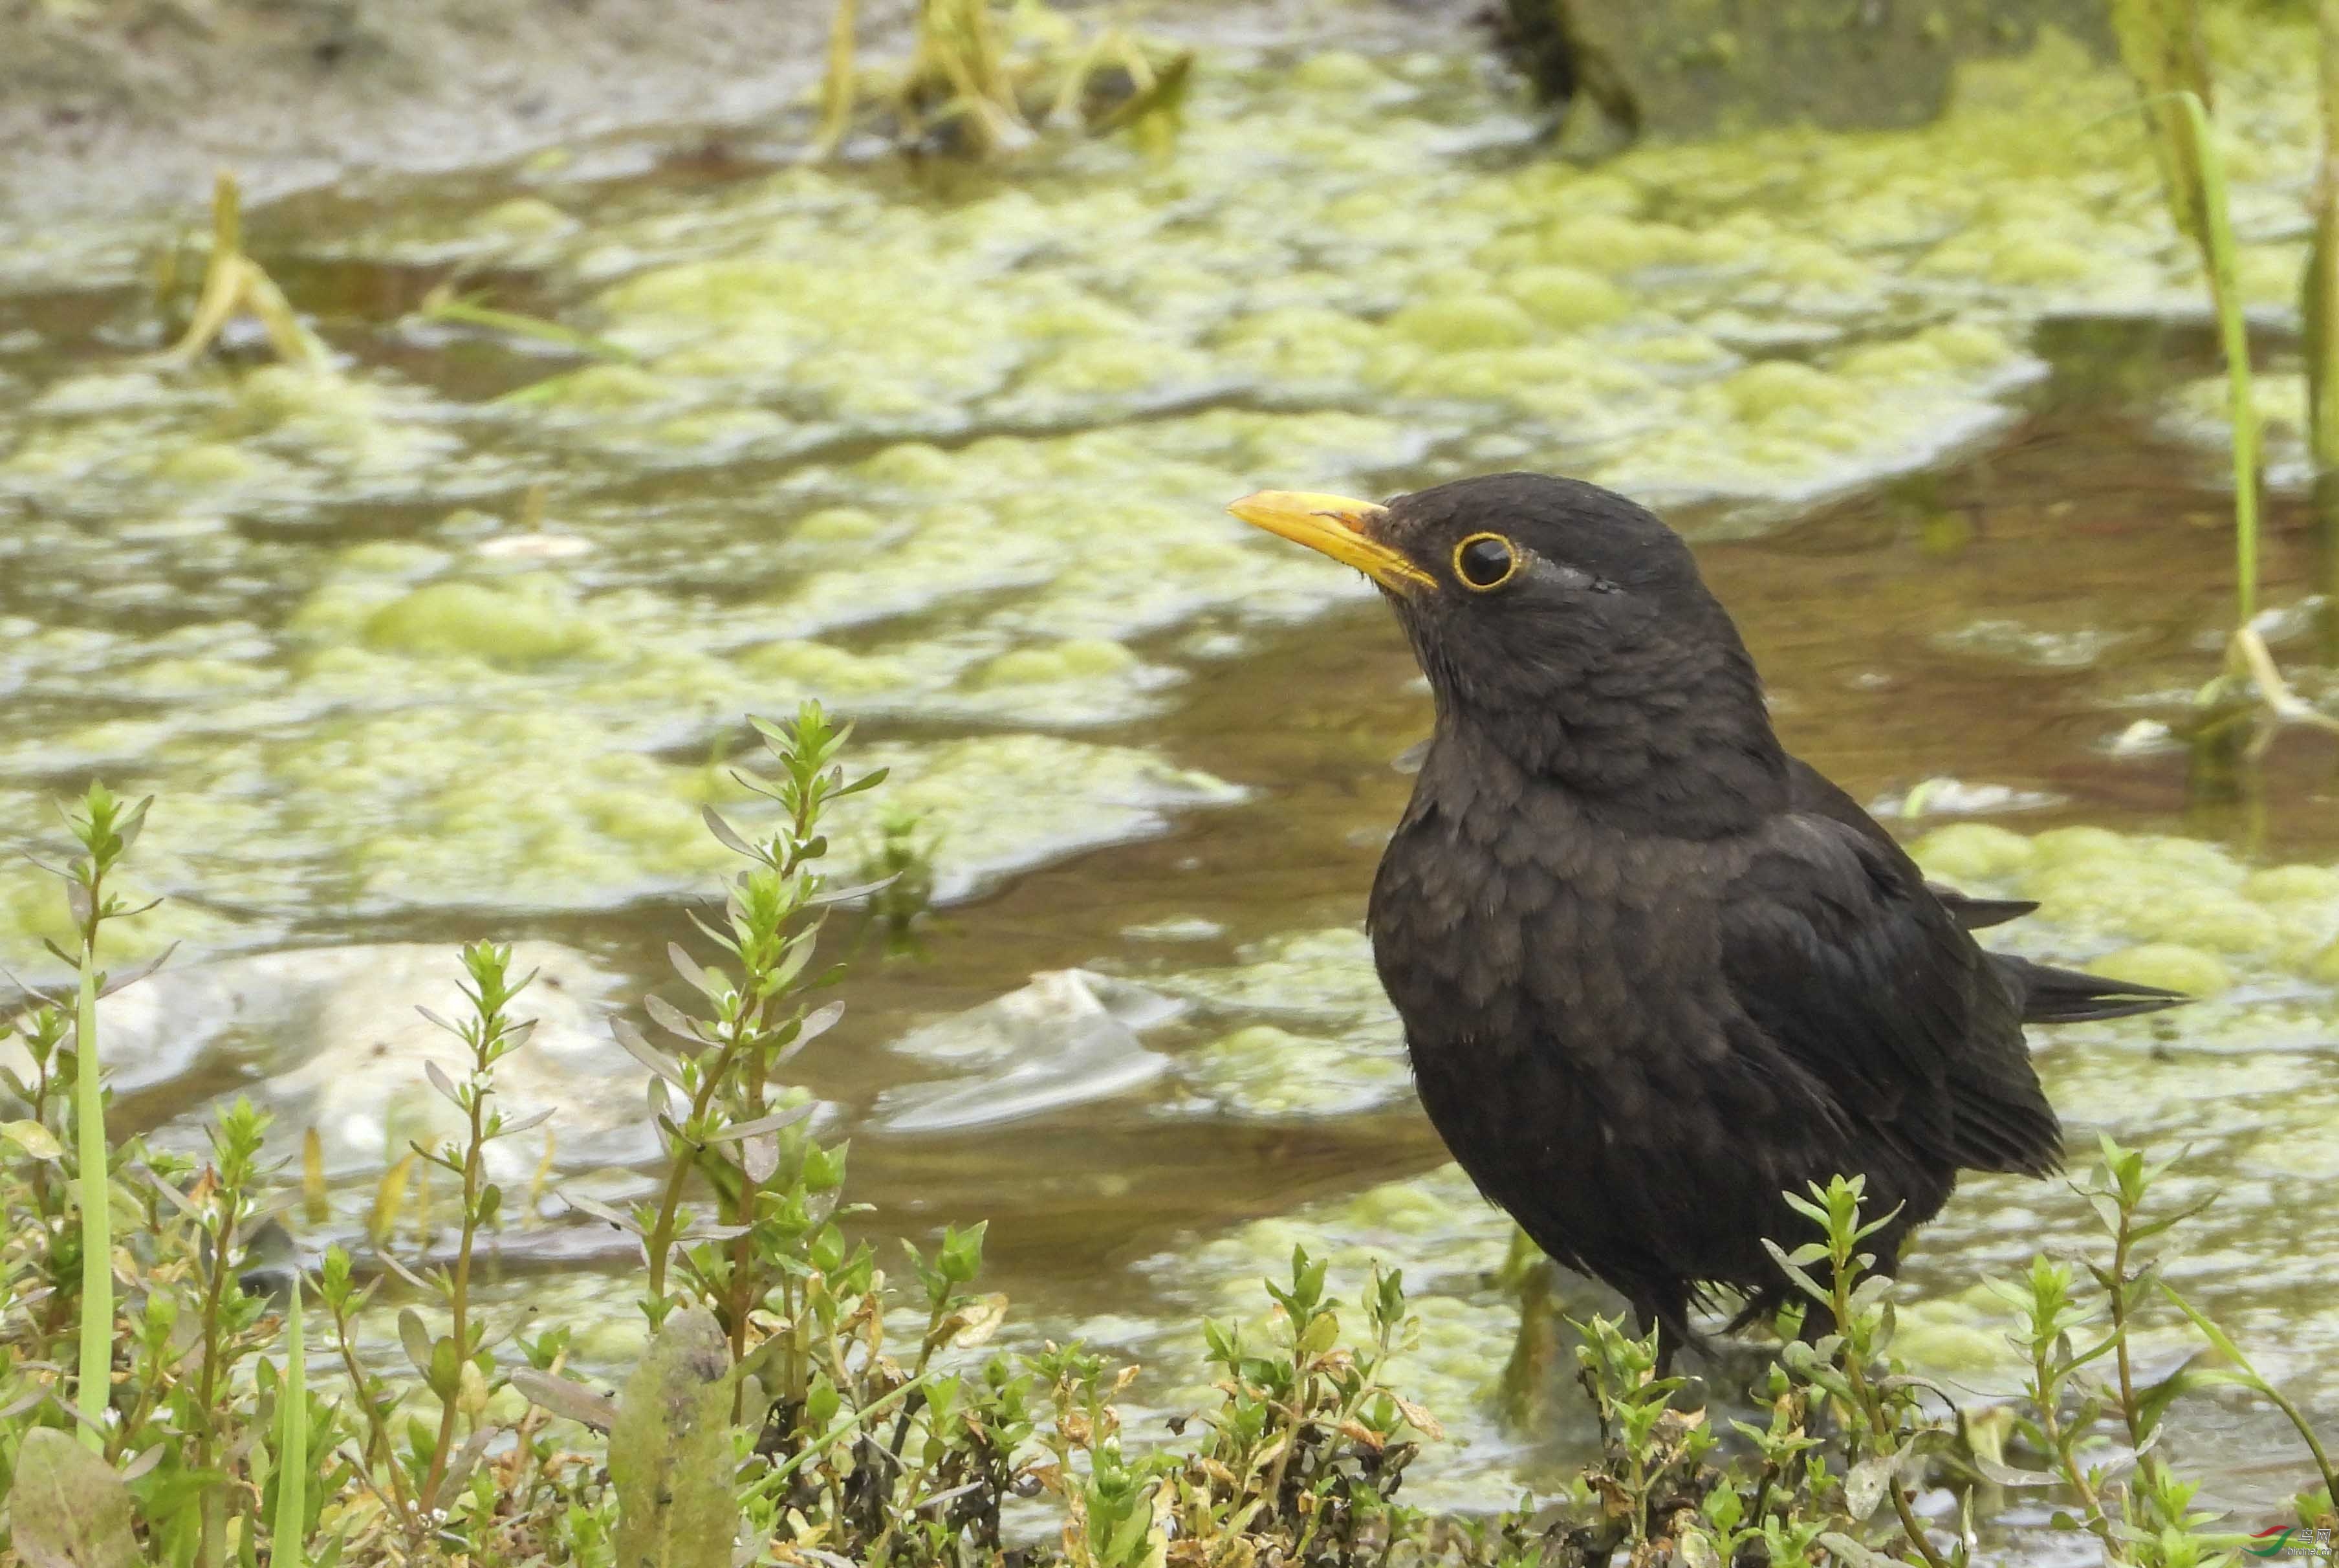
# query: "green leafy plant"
105,832
798,1403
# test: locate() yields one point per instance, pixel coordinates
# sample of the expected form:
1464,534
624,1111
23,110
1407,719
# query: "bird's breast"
1507,928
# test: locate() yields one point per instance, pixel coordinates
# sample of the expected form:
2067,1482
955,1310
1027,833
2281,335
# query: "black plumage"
1654,970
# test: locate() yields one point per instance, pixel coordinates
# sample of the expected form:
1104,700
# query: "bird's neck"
1693,758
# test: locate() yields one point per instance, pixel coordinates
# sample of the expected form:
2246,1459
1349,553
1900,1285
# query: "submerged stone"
1067,1039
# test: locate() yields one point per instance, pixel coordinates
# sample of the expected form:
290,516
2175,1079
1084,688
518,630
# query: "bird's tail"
2051,995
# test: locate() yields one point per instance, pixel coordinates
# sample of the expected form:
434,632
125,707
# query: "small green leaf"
415,1338
33,1138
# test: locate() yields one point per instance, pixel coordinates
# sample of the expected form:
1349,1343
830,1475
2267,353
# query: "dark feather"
1979,914
2050,995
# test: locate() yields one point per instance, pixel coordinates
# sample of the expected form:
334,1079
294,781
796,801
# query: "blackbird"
1654,970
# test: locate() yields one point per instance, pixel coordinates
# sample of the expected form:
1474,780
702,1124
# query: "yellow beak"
1336,526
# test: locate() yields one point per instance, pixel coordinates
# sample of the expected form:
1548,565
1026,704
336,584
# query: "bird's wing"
1846,963
1810,790
1976,913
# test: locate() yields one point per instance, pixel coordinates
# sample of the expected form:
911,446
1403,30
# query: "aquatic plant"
2319,291
991,86
2251,671
442,303
798,1405
234,285
105,832
2161,42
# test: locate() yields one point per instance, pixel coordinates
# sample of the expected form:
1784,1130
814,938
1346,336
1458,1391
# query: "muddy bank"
116,105
130,103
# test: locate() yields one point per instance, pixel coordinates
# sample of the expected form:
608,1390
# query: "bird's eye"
1486,561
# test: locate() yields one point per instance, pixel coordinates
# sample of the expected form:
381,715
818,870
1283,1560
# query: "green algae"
996,803
1318,1040
1074,659
1271,1073
2016,232
374,802
2173,966
2173,903
1320,977
505,624
1624,322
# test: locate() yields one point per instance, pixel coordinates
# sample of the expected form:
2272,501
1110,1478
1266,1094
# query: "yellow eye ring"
1481,569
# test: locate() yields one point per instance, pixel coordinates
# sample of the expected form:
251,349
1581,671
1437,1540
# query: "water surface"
455,639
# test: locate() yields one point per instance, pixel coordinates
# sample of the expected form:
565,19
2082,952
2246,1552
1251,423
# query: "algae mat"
958,456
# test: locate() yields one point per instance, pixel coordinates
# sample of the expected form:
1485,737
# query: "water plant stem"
291,1525
490,1034
1880,1422
2319,301
381,1459
2074,1475
459,1292
214,1529
94,1387
2161,43
660,1241
2233,338
837,90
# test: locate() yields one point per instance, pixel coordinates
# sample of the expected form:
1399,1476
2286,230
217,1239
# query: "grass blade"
286,1545
94,1387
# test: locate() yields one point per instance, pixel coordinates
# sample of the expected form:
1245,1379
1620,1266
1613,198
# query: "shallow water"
951,456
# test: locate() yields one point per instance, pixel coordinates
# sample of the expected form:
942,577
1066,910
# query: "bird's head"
1564,623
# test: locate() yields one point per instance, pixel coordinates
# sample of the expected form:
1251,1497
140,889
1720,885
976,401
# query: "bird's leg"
1664,1310
1645,1321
